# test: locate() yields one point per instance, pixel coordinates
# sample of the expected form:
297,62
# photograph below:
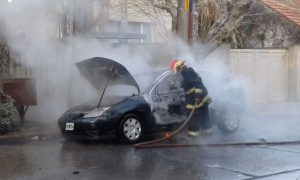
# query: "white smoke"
31,32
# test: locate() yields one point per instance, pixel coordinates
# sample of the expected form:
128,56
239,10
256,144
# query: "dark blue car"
130,118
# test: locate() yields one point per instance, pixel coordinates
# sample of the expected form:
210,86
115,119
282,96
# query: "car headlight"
96,112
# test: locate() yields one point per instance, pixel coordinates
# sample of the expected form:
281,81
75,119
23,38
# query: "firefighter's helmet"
175,65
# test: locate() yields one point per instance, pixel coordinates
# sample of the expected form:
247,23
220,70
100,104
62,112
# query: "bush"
7,113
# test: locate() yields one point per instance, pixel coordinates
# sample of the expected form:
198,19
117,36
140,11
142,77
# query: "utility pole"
190,21
185,20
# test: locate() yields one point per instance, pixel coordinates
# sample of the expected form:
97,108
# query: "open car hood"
98,70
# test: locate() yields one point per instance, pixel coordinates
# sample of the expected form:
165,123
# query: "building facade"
114,21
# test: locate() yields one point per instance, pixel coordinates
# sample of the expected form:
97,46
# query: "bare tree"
224,25
155,10
231,21
215,20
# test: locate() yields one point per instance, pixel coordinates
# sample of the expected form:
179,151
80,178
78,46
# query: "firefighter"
196,96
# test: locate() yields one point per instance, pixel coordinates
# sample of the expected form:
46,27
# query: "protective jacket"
193,87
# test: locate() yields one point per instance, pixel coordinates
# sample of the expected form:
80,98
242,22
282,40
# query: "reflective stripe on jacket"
194,90
205,100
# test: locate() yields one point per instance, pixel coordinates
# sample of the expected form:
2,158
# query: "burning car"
131,118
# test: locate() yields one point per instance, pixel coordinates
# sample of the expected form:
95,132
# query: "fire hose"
156,143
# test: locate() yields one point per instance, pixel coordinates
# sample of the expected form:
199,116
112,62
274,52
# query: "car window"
169,84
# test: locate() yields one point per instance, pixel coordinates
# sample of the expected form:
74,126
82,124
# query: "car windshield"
112,95
146,80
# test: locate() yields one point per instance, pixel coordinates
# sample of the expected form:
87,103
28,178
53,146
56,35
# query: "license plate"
69,126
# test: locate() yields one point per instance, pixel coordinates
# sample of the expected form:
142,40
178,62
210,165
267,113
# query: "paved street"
55,158
95,67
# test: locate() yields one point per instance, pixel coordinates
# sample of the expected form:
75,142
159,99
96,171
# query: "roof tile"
288,8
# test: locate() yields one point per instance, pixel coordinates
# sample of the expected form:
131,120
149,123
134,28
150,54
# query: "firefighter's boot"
207,131
193,134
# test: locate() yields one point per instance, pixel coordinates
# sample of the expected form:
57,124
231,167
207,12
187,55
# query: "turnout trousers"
200,119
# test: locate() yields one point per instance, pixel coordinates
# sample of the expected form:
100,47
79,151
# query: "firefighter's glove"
197,100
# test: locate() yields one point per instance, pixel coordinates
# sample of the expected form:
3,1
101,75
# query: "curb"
22,137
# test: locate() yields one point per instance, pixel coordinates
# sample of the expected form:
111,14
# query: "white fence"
269,75
262,71
294,73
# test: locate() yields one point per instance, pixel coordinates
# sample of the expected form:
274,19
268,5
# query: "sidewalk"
290,109
31,130
267,118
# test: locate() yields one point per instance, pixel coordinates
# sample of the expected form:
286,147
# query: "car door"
166,99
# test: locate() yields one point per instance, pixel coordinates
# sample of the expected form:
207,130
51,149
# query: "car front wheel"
131,129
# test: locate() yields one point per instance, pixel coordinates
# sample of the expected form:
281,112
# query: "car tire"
131,129
228,123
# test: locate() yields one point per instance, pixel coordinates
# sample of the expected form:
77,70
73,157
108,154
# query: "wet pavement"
51,157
